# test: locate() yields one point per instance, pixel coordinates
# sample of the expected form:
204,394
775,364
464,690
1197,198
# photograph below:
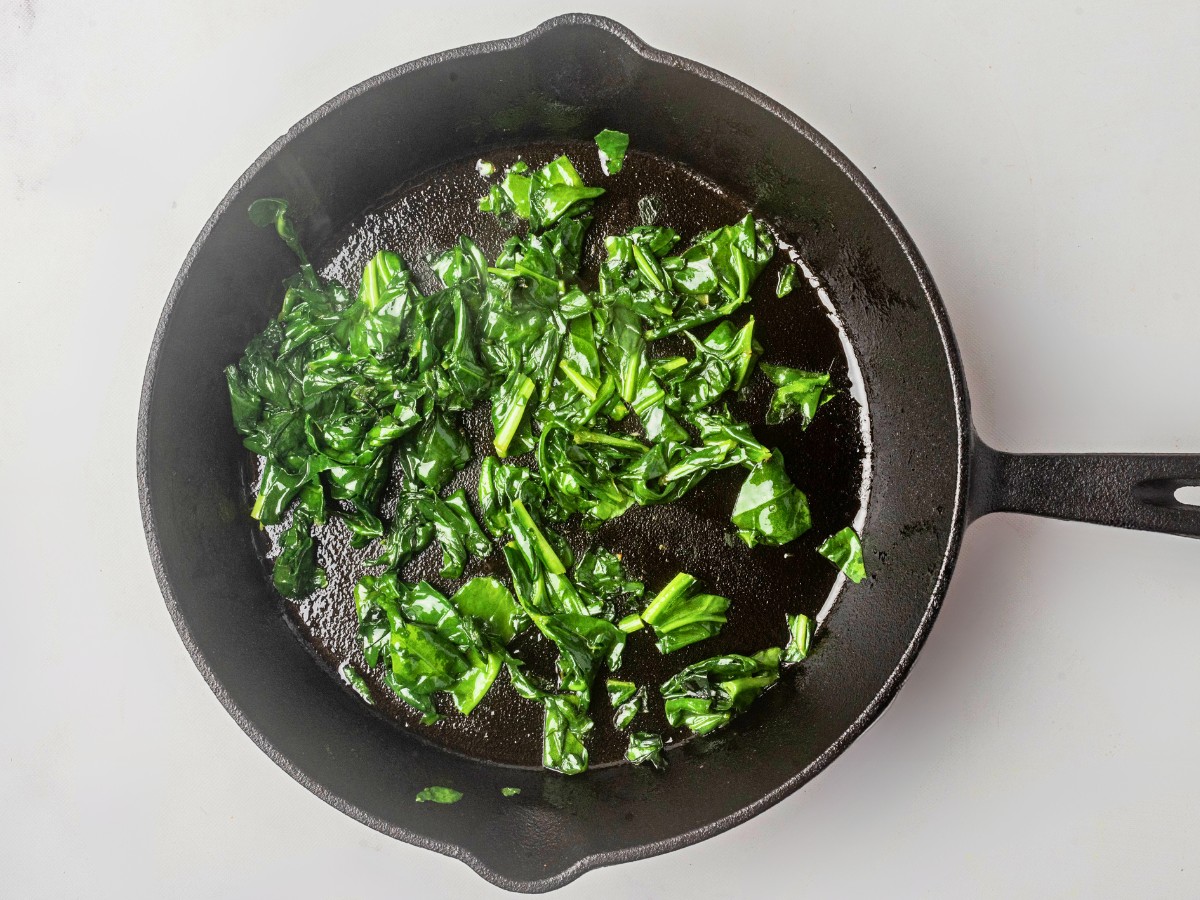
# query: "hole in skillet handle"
1188,495
1172,493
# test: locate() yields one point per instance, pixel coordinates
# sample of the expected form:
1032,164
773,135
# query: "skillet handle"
1128,490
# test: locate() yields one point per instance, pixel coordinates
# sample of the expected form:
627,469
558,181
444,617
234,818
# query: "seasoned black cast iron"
929,474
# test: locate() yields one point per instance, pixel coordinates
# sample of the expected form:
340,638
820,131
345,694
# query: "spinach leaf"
769,508
409,534
296,573
543,196
565,727
646,748
271,211
430,645
844,550
619,691
786,281
435,453
706,695
799,637
601,579
492,604
556,191
423,663
627,700
499,487
612,146
438,794
680,616
456,530
511,195
351,676
585,643
797,391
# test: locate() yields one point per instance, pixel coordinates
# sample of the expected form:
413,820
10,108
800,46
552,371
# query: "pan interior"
827,461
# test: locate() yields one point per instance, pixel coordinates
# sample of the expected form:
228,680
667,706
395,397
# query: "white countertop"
1044,160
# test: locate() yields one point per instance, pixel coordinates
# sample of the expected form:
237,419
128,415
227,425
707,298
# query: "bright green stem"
646,267
610,440
631,623
677,587
542,546
512,420
587,386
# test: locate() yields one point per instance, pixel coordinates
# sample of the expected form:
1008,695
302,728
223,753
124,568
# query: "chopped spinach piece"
796,391
844,550
352,677
296,573
770,509
438,794
619,691
786,282
430,646
646,748
543,196
799,637
680,616
566,723
612,146
510,791
627,700
492,605
706,695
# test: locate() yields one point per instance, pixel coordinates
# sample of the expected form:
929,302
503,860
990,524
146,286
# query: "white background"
1044,157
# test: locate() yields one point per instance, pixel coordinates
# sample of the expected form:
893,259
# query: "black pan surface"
354,171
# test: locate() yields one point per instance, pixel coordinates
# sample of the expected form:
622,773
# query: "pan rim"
957,519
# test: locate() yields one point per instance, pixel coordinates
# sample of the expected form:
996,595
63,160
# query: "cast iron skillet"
929,474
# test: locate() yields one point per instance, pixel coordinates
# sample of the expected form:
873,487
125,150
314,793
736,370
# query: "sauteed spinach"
348,396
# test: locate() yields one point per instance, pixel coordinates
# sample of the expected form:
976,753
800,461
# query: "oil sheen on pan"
828,461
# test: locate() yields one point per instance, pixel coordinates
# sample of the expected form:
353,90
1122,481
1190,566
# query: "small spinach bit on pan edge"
612,146
844,550
439,794
646,748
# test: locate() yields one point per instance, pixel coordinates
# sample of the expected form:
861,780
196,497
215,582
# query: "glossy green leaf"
706,695
565,726
612,146
680,616
786,282
352,677
799,637
844,550
626,699
296,573
796,392
489,601
769,508
646,749
438,794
